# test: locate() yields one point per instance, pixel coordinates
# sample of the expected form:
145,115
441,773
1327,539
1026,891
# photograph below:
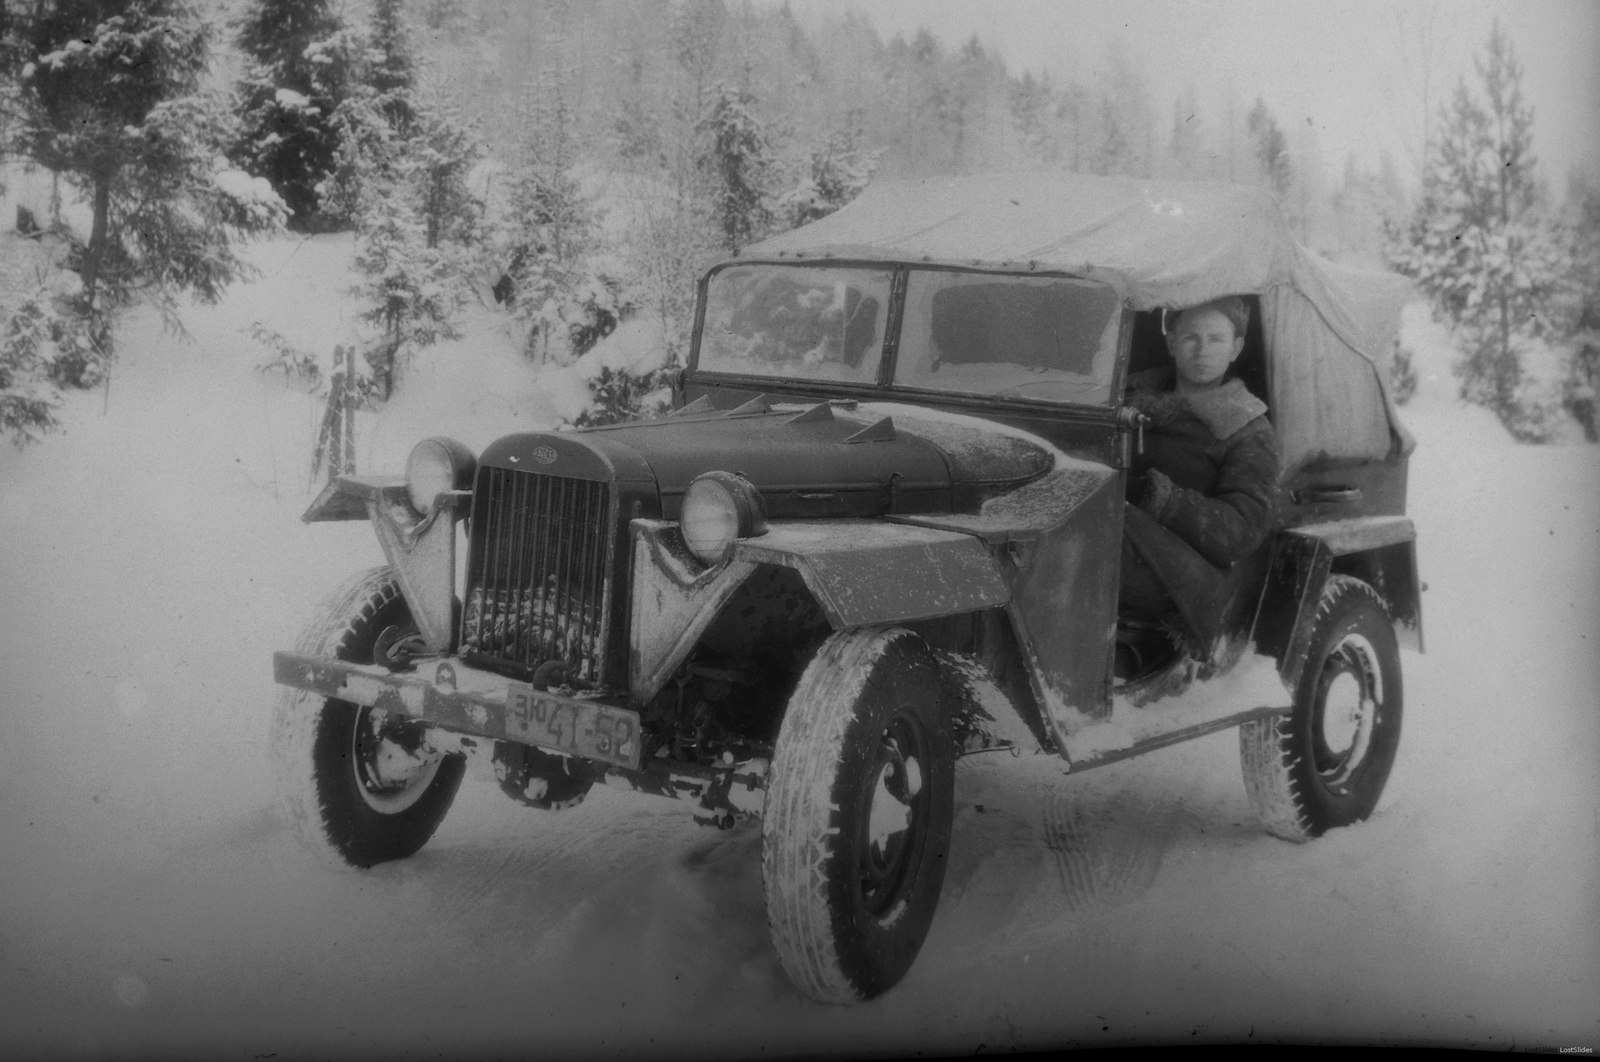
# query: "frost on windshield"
1046,338
796,322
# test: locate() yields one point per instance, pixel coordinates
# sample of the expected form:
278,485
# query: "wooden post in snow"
336,441
349,405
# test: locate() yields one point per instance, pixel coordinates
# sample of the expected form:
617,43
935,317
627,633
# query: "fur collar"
1223,409
1226,409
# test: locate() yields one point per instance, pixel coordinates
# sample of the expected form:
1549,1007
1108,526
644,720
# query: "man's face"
1203,345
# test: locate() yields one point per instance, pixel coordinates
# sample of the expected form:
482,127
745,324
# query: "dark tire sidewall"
363,835
904,683
1354,611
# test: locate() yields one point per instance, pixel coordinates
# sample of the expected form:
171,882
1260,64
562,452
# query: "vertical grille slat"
556,614
536,576
565,627
594,573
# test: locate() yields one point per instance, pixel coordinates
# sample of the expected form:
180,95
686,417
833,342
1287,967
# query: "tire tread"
1268,758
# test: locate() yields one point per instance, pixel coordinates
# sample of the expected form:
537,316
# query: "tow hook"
398,646
556,673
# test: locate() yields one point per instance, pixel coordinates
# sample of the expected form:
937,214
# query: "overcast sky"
1336,63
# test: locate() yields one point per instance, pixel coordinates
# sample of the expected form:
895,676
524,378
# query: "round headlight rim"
455,463
744,503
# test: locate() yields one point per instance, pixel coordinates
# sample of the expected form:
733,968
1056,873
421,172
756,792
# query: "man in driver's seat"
1202,494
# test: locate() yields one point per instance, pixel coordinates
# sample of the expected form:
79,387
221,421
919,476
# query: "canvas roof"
1329,329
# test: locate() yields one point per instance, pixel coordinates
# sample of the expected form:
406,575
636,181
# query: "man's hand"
1158,492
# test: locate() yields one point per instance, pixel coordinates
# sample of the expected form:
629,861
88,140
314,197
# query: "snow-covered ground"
153,904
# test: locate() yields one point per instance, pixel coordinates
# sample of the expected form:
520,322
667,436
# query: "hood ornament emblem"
544,455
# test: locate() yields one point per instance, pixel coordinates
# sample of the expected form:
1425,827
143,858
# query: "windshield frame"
885,387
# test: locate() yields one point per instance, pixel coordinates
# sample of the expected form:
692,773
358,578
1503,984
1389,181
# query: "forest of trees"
584,161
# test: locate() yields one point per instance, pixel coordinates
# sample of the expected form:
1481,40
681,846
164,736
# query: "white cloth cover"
1329,329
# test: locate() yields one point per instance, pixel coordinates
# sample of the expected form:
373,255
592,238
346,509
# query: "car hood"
807,460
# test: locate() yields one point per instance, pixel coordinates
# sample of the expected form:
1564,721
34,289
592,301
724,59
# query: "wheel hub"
391,773
1347,710
894,819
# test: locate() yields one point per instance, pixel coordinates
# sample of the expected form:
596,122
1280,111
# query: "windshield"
1049,338
799,322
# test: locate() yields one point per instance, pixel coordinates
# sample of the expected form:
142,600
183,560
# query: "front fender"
863,573
422,550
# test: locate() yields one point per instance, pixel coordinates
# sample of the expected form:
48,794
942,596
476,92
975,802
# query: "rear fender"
421,549
1380,550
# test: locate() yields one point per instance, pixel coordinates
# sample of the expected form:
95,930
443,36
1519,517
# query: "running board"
1099,757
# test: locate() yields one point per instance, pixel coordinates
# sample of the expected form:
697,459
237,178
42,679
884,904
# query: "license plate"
592,730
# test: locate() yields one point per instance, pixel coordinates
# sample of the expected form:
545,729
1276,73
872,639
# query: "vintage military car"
879,530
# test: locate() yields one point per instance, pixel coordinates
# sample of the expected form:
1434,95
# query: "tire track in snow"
1108,842
490,879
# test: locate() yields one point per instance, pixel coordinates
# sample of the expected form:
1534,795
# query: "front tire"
859,806
356,784
1324,765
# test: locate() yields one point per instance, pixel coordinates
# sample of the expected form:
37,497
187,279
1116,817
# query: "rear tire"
857,824
354,782
1324,765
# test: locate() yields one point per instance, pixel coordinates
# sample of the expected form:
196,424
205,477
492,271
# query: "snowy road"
151,903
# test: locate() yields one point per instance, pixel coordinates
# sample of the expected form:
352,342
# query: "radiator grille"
536,579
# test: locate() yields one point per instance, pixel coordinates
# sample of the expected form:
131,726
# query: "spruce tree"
439,156
837,173
1030,101
401,172
1478,244
105,96
107,100
1580,388
411,293
391,65
1270,147
736,157
298,73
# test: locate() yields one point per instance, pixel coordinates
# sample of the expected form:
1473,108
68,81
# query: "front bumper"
448,693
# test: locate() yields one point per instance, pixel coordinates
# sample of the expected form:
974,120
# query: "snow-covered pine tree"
618,395
366,156
836,174
105,96
410,292
107,99
737,160
1031,102
440,154
402,172
375,121
1270,148
391,67
548,237
1478,244
1580,386
27,351
542,242
299,67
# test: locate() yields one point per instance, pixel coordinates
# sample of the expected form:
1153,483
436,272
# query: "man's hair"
1234,308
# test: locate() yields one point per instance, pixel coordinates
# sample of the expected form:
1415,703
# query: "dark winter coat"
1204,493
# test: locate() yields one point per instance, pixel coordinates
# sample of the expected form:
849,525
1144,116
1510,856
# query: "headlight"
719,507
435,465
